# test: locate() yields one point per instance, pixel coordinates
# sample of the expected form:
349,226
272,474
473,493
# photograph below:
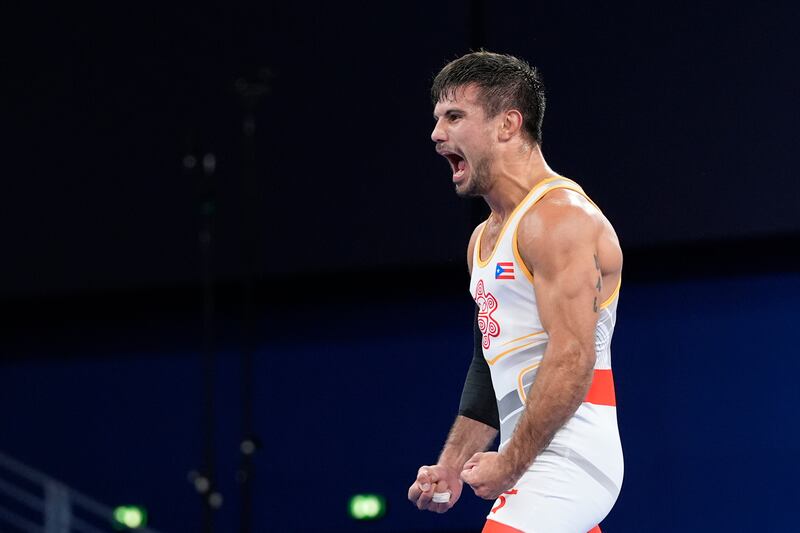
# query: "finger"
414,492
473,461
441,497
425,497
424,500
468,475
439,492
440,507
424,478
476,458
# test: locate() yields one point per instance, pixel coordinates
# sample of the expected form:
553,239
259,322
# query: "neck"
514,174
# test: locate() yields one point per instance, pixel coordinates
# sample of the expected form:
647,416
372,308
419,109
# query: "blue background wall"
355,397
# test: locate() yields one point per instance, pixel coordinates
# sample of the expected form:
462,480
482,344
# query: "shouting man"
546,270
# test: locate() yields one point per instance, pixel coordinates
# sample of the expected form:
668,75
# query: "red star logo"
487,304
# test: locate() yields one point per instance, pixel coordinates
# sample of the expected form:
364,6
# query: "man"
545,275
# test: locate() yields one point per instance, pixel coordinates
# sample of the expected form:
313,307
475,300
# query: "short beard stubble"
479,180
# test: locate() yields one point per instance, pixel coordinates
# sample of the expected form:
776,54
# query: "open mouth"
457,163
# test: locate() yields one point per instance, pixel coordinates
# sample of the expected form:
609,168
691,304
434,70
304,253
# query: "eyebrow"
455,111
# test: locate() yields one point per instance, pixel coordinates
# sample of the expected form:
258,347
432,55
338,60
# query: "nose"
438,134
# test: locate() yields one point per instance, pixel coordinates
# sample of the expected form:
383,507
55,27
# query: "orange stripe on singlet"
602,390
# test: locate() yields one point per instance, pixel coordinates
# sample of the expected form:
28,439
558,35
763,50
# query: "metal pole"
204,479
250,91
208,207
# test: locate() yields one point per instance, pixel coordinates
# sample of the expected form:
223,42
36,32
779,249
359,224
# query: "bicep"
567,297
567,279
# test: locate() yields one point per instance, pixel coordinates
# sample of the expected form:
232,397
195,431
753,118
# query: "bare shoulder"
471,246
563,221
561,218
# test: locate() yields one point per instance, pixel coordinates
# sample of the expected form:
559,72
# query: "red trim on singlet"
496,527
602,390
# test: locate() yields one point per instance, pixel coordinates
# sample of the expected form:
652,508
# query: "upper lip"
447,153
443,150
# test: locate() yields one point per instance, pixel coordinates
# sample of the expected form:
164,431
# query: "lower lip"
459,176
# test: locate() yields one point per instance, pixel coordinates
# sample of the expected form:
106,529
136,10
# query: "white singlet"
572,485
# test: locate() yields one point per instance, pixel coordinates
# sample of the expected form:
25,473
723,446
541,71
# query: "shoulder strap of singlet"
542,188
539,191
533,196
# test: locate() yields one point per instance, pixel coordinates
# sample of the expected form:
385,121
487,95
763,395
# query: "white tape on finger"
441,497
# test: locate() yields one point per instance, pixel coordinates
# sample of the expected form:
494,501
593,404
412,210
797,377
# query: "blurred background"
234,287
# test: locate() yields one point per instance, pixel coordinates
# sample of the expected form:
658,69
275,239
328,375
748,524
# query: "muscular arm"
560,243
467,436
575,259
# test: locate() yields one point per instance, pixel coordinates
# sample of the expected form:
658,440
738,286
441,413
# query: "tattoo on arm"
599,285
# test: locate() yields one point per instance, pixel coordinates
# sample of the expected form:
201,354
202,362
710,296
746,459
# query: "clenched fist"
435,479
489,475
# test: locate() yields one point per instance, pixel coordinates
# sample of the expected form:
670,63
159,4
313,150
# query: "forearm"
561,384
467,437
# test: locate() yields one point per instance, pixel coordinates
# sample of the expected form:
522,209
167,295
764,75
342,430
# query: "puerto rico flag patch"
504,270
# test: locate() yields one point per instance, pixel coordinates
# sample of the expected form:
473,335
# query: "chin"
465,189
469,188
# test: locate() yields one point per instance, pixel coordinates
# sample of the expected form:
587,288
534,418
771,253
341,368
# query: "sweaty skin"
575,258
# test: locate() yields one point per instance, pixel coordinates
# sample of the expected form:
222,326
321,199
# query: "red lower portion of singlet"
496,527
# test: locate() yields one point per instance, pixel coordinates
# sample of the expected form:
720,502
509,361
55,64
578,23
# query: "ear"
511,124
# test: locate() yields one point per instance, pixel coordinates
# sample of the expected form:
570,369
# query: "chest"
488,242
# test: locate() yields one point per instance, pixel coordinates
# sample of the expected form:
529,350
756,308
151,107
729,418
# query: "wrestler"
545,276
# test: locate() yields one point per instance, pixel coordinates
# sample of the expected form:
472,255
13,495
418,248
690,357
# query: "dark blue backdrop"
680,121
354,397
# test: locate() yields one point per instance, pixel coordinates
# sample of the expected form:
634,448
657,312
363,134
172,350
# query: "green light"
367,507
129,517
